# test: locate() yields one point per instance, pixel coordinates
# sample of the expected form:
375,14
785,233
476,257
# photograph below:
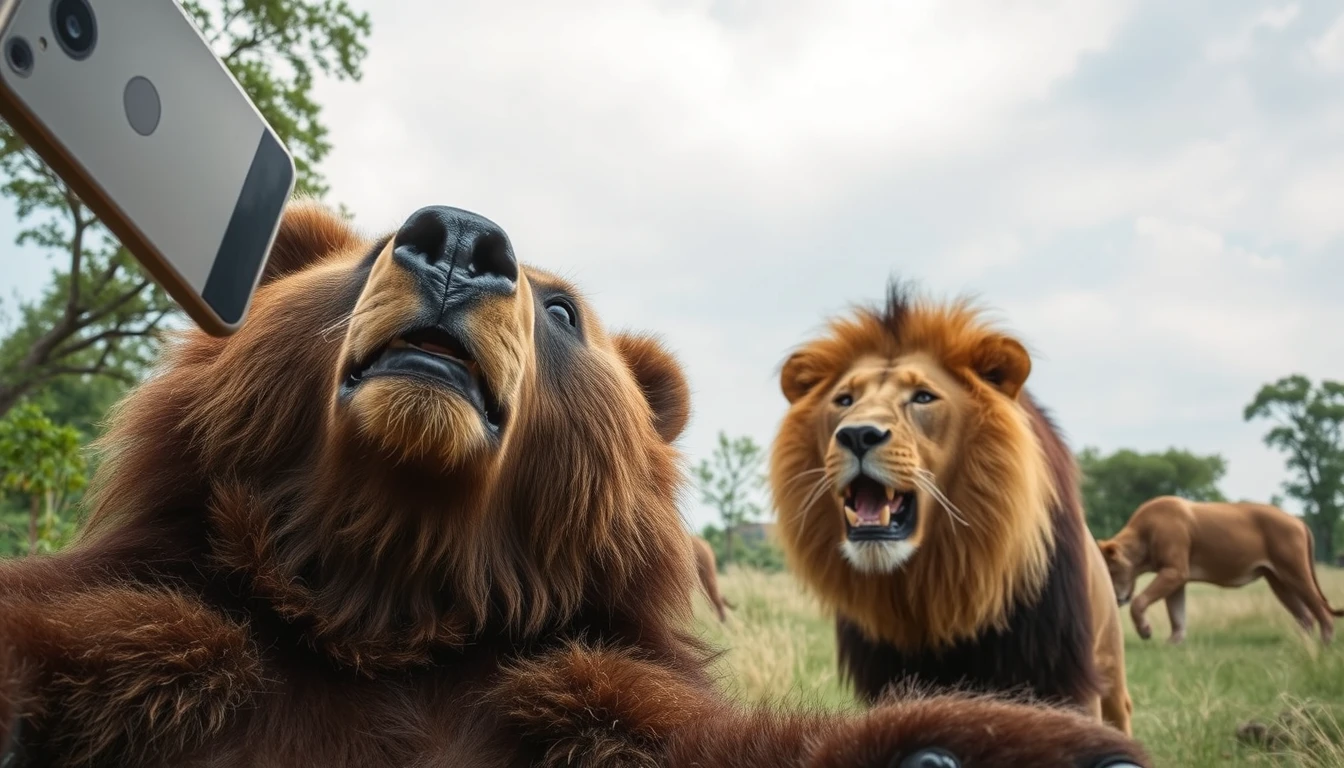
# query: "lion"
419,510
707,570
933,507
1227,544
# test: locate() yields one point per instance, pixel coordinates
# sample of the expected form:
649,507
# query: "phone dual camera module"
76,33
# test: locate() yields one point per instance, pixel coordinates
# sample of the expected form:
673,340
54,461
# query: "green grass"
1243,659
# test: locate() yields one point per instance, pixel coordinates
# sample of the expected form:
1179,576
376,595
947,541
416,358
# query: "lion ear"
1107,548
1003,363
309,232
801,373
661,379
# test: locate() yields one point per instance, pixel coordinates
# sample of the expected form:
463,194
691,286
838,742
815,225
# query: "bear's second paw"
976,732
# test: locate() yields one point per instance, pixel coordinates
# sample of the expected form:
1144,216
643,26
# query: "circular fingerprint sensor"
142,105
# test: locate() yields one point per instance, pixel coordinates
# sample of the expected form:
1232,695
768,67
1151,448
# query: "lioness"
1230,545
706,568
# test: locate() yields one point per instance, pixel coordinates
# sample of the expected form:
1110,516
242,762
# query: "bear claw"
929,758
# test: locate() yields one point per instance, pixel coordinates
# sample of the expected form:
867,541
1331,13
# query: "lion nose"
861,438
450,239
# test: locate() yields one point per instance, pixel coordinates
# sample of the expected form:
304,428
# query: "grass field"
1243,659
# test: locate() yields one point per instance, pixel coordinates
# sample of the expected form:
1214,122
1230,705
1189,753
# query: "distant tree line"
1307,427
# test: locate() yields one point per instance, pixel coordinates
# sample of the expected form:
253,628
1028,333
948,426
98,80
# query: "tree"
42,462
1309,427
765,555
732,483
1114,486
102,316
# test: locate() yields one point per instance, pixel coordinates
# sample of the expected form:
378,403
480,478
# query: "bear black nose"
862,438
453,239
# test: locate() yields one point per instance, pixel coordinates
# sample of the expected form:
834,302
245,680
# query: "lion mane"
992,601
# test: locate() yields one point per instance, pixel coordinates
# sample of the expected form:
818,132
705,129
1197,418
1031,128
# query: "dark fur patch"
1046,649
156,673
900,295
978,731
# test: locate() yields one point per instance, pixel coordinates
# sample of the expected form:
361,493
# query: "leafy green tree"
1114,486
42,462
732,483
765,555
1309,427
101,316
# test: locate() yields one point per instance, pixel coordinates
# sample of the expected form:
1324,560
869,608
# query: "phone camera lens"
76,31
19,55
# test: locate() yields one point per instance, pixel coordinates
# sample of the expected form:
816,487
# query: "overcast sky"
1151,194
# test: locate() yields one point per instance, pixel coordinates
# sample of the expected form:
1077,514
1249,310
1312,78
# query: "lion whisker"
813,496
924,479
805,473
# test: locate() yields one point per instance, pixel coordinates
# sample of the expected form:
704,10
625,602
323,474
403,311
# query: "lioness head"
417,438
906,470
1122,570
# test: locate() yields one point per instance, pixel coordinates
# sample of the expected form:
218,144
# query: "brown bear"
419,511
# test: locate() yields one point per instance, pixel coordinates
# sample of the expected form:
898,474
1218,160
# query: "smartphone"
127,103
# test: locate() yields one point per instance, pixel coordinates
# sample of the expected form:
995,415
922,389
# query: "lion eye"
561,311
844,401
923,397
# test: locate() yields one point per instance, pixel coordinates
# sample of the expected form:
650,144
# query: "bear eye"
561,310
923,397
844,401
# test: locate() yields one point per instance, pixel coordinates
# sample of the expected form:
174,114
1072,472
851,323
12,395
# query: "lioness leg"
1168,580
1176,613
1291,602
1117,708
1302,585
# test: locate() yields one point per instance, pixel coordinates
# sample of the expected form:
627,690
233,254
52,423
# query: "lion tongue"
870,506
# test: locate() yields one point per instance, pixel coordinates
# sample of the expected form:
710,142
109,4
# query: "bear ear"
662,381
1003,363
801,373
309,232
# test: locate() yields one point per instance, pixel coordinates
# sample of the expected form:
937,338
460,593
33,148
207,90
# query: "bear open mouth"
875,512
437,357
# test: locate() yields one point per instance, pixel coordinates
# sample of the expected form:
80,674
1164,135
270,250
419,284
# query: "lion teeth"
852,517
885,517
891,493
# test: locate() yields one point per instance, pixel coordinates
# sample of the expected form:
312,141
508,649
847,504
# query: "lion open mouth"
874,511
437,357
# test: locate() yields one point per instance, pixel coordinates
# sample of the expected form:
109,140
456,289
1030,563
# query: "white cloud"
1328,49
1274,18
979,256
775,110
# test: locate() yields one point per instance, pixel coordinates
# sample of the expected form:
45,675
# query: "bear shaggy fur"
418,511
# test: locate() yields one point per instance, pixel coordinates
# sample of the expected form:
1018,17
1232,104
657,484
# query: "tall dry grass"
1244,660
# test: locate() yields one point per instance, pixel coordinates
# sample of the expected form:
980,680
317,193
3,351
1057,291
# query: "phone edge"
159,267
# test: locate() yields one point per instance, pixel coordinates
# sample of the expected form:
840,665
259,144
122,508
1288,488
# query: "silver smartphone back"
126,101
